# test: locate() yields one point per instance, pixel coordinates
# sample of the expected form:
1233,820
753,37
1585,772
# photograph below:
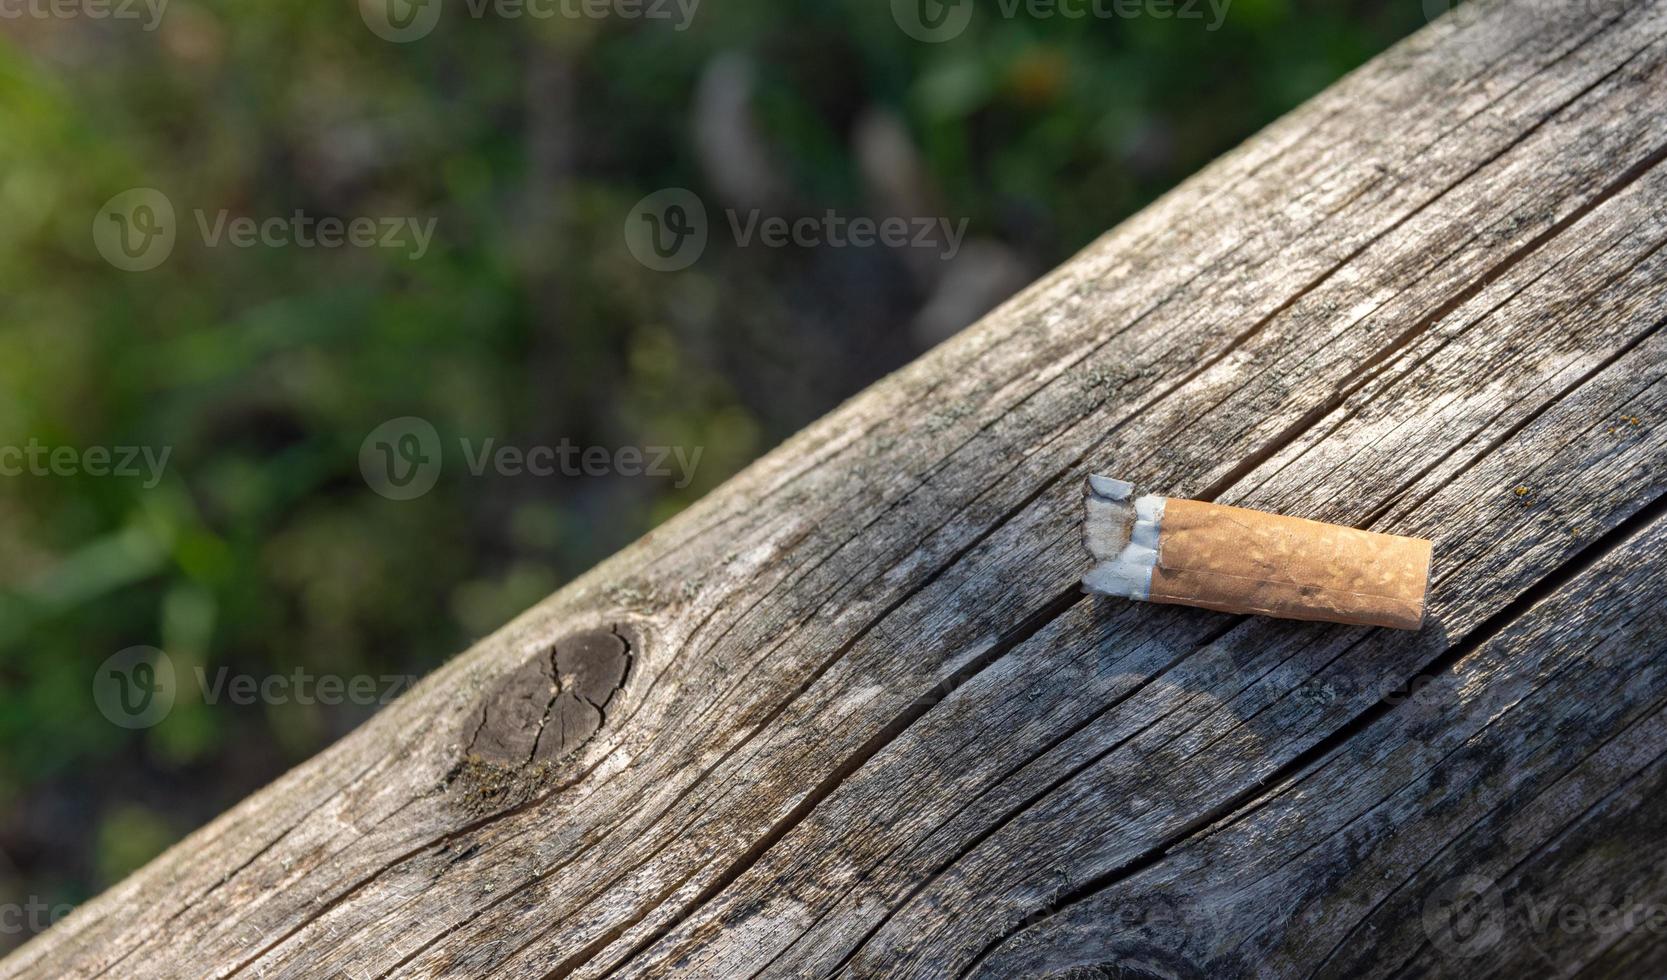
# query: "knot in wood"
545,710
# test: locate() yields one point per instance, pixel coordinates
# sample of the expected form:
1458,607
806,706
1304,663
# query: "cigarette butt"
1233,560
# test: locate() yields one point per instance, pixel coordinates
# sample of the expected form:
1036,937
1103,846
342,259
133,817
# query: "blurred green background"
262,549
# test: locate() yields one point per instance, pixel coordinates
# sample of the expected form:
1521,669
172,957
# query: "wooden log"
852,715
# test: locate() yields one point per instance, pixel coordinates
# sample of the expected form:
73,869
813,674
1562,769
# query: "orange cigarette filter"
1233,560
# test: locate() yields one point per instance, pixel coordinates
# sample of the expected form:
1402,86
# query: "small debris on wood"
1229,559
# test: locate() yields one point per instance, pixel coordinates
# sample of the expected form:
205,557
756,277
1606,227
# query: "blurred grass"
527,322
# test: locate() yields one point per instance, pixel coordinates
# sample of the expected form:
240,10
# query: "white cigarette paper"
1186,552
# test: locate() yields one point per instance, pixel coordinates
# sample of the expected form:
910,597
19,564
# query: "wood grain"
864,722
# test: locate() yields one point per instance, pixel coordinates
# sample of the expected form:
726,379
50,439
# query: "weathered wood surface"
866,723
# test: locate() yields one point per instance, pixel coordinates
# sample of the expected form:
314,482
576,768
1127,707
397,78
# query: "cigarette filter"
1244,561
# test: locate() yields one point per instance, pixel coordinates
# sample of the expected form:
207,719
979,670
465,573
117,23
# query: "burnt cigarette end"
1190,553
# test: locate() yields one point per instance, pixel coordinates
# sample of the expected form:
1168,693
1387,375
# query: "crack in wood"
1292,771
824,812
547,709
